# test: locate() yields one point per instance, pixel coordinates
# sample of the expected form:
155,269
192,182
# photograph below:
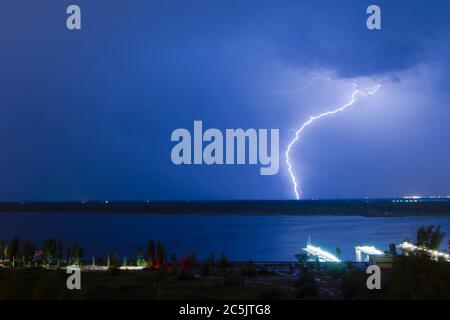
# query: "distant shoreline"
350,207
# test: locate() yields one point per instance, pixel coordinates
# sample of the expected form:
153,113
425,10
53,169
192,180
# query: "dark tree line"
156,254
74,254
52,251
430,237
28,254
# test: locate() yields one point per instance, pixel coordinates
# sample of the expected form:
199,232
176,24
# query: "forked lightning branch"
298,133
250,146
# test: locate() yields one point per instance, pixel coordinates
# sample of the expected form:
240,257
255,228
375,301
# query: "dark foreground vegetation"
411,277
27,272
148,284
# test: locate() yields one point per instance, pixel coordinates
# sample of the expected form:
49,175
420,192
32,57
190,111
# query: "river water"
261,238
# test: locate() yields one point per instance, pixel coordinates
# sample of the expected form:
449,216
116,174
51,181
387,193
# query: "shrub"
47,288
189,261
273,293
233,279
10,288
307,287
206,269
224,264
249,269
185,276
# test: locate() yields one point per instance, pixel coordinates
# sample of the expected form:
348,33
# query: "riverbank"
345,207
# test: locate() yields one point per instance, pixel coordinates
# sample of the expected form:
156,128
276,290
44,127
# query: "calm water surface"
261,238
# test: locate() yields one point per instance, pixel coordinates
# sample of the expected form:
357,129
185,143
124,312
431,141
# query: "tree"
436,238
303,260
418,277
393,249
173,258
151,252
223,262
69,253
160,254
138,255
140,261
174,261
49,251
74,254
249,269
430,237
59,252
78,254
212,258
113,260
339,252
302,257
28,252
1,250
189,261
6,252
14,249
317,263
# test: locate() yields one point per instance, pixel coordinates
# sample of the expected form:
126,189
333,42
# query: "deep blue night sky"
88,114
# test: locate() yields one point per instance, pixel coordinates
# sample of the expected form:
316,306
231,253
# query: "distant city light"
413,197
418,197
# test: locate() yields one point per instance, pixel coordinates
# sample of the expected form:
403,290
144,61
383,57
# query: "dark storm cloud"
333,35
327,34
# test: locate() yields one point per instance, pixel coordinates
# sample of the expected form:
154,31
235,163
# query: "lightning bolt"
356,92
306,86
312,82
